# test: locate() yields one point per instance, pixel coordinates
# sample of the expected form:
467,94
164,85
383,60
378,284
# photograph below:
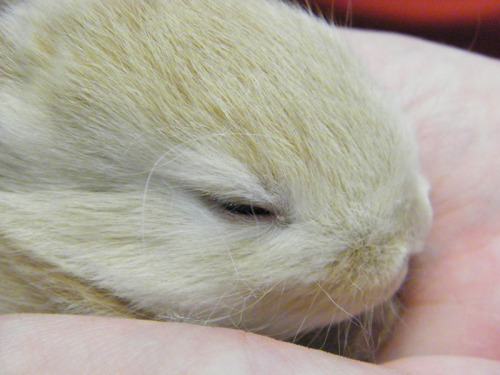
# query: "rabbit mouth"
332,306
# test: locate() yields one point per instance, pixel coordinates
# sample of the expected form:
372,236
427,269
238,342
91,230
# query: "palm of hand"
453,297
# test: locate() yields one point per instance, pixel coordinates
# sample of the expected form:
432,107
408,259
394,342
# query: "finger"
44,344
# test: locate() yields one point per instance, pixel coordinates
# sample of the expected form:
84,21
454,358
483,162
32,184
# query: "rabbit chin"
287,320
285,311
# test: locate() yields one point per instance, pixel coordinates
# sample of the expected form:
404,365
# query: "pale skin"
451,323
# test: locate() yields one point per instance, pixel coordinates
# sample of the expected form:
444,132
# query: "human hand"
453,297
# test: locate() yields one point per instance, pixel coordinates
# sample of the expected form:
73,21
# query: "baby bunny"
219,162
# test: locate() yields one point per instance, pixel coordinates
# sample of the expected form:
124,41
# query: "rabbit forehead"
268,86
255,88
199,69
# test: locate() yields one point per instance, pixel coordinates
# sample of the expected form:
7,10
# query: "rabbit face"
217,162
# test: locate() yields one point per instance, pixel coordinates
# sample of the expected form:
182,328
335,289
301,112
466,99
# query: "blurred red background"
469,24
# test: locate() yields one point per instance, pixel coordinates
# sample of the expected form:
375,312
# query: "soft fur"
126,125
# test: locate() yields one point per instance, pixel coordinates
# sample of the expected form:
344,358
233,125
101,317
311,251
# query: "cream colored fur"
124,122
